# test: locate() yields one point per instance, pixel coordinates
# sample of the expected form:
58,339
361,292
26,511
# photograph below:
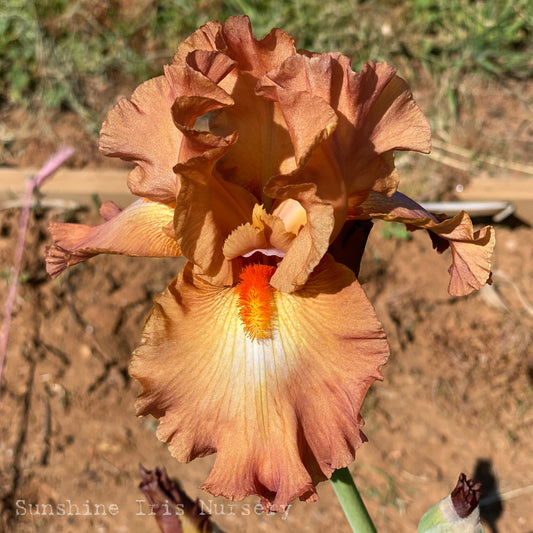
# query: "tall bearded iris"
263,347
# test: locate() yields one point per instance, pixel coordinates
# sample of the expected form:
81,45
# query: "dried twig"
509,495
51,165
441,149
500,275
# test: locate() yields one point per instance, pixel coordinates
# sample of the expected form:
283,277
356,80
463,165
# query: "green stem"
351,502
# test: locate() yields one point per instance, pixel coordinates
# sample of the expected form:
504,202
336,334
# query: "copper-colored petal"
207,37
471,251
282,412
208,209
376,114
309,120
143,229
213,64
144,130
196,96
263,148
236,40
256,57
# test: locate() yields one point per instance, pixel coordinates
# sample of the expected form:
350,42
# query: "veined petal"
471,251
281,412
144,228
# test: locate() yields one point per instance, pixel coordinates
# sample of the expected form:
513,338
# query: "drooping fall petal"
144,228
471,251
282,412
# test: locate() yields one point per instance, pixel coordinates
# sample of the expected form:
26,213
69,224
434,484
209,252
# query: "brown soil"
457,394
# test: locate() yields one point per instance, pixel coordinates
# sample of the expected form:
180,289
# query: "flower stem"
351,502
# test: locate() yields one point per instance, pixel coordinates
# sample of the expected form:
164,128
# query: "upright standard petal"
282,412
357,122
471,251
143,229
146,130
263,148
376,114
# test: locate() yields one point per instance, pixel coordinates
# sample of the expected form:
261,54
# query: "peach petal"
292,213
265,232
312,241
471,251
282,413
142,229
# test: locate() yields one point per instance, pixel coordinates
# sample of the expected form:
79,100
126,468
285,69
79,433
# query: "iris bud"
457,513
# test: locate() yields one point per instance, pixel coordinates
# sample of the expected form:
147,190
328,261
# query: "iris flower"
250,156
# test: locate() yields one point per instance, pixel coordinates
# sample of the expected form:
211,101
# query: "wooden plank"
517,191
79,185
498,189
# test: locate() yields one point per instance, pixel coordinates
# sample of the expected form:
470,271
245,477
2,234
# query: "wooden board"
78,185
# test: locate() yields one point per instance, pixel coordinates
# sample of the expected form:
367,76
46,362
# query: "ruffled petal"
143,229
282,413
207,37
146,128
263,148
254,56
376,115
208,209
471,251
235,39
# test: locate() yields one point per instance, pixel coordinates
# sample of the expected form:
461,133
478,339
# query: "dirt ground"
457,394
